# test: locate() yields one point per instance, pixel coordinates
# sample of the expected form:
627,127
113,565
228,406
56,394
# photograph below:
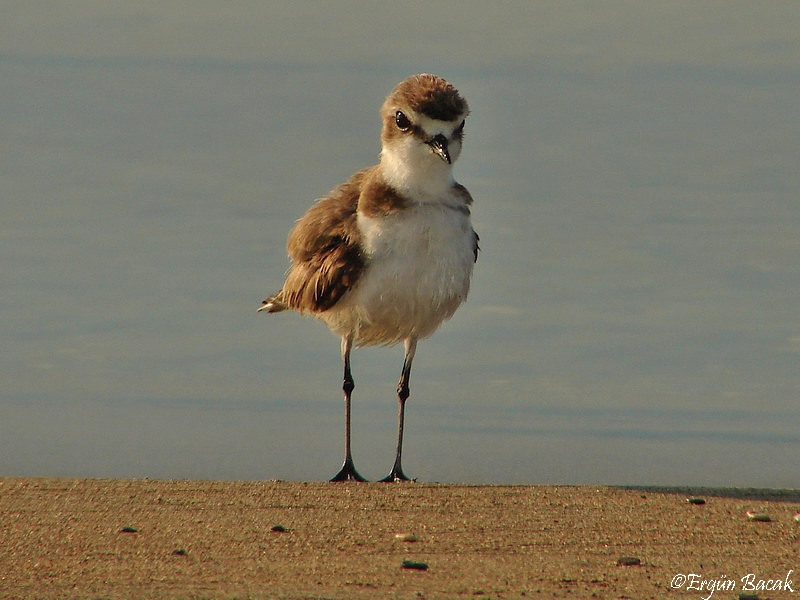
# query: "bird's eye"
460,129
401,120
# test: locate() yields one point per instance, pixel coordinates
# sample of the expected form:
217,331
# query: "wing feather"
325,254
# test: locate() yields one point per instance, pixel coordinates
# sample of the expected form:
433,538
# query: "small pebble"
628,561
129,530
695,500
278,528
417,566
754,516
797,517
405,537
179,552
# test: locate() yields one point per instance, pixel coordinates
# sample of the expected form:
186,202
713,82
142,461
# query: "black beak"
439,146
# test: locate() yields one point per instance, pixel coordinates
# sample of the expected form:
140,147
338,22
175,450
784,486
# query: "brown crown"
429,95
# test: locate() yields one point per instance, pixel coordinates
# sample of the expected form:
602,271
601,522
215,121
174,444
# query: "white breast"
419,265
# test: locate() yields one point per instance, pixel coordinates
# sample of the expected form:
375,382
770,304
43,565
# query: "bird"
388,255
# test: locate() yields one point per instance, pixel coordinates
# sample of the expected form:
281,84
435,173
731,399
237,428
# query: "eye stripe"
423,127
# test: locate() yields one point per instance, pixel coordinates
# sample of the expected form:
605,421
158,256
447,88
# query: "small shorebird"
387,256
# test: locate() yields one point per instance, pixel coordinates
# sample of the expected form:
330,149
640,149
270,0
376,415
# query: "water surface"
634,316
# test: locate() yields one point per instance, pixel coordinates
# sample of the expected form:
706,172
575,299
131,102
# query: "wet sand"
65,538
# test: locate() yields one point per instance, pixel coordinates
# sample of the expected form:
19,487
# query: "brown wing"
325,252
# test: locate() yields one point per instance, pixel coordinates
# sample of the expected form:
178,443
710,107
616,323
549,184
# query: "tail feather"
273,304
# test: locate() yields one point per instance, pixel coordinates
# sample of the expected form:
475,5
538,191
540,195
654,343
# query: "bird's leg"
403,392
348,471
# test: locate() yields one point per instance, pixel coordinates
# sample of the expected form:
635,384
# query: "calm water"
634,317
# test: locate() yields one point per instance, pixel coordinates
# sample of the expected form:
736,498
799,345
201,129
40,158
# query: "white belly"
419,266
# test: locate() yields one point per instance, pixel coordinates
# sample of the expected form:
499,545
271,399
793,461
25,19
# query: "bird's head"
423,129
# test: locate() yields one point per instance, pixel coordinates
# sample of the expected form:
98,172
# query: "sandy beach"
79,538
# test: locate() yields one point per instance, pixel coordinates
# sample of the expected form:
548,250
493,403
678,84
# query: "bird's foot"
348,472
397,476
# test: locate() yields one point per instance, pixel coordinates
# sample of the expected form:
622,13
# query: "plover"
387,256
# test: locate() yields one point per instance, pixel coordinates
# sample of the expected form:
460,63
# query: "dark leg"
348,471
403,392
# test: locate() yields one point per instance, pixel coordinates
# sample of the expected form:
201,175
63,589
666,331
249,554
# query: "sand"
94,539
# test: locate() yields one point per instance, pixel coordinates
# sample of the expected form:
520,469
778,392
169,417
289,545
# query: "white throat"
414,170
